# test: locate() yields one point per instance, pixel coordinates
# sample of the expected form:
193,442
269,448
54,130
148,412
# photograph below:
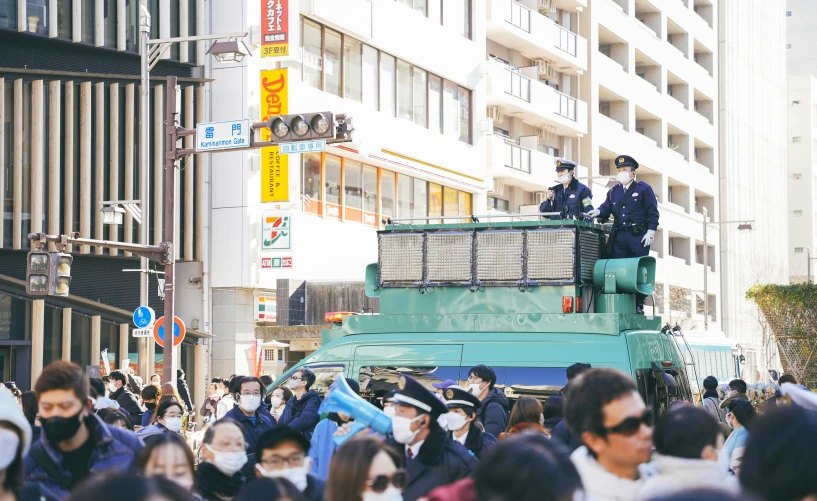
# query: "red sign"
274,28
266,262
178,331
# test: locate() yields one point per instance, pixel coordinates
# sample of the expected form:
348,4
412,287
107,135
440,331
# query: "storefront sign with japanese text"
276,231
274,28
274,166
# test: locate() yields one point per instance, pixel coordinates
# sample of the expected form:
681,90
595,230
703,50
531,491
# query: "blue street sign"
214,136
302,147
143,317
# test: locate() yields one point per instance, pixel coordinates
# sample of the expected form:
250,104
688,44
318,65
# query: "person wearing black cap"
635,208
462,411
432,457
569,197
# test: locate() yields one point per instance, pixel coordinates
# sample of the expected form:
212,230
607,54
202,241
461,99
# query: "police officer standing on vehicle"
569,197
635,209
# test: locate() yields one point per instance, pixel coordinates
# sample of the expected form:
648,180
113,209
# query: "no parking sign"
178,331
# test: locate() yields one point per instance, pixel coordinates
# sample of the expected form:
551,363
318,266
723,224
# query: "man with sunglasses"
432,457
604,408
282,452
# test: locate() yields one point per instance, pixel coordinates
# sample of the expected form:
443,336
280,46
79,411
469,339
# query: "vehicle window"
325,375
376,381
538,382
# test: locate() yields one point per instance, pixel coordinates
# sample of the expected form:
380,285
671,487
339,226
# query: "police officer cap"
457,398
561,164
412,393
626,161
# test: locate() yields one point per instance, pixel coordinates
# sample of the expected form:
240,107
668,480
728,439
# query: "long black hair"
742,410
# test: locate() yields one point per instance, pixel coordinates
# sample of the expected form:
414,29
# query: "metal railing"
516,84
516,157
567,40
567,106
518,15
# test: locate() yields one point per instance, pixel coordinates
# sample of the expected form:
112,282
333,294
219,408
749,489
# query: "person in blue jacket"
250,412
635,208
493,412
301,412
323,446
570,197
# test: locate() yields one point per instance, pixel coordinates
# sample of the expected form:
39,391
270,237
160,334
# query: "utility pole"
169,362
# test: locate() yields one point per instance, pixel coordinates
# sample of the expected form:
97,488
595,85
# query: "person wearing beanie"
419,435
322,446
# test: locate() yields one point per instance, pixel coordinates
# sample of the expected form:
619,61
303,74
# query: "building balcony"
536,36
571,5
532,101
516,165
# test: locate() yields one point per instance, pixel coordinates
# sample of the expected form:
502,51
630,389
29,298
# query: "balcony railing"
567,106
516,157
567,40
516,84
519,16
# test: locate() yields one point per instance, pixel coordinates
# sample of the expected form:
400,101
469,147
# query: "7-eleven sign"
276,231
266,309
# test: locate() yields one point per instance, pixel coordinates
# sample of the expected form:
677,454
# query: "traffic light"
38,264
59,280
302,127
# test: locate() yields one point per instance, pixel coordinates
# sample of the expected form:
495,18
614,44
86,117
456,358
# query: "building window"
353,190
353,69
404,90
332,186
153,8
788,46
6,196
798,213
311,183
798,250
404,196
435,104
387,193
371,96
420,198
451,202
311,52
499,204
465,203
37,16
331,63
796,139
110,22
88,21
269,355
795,103
420,97
788,13
175,53
797,177
387,84
64,16
8,14
435,201
370,195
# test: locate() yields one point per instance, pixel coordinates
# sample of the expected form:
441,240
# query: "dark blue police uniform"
576,198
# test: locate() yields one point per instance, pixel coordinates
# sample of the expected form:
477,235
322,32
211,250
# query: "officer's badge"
401,383
586,202
635,194
449,393
621,160
558,163
572,195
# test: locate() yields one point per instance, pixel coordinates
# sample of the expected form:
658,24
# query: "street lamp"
742,226
231,51
112,215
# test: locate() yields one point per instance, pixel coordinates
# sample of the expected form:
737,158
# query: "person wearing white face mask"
15,439
635,209
432,457
570,197
247,412
219,477
282,453
301,412
462,411
169,418
688,442
278,402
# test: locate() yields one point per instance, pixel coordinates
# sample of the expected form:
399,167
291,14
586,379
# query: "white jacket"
601,485
224,406
681,474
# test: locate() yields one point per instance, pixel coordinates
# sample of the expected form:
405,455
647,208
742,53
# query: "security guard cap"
457,398
562,164
626,161
412,393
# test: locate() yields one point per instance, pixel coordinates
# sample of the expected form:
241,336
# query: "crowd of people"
75,438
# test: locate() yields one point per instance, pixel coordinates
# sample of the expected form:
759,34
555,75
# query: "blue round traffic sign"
143,317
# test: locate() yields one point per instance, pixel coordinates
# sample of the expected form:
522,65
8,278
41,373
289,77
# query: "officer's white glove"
592,214
648,238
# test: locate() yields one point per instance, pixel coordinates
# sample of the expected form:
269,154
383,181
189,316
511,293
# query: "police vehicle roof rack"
474,218
675,332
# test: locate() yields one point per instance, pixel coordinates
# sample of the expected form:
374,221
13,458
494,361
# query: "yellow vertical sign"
274,166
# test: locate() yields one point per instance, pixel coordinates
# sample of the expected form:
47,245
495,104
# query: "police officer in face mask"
635,208
462,411
569,197
432,457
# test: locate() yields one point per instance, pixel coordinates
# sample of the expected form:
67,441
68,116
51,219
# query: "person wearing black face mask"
75,442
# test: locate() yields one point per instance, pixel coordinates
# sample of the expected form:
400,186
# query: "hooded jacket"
302,415
679,474
601,485
128,401
493,413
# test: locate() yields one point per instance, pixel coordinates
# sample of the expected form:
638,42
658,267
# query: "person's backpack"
714,405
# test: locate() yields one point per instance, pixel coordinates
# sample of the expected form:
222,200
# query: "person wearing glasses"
255,422
605,409
224,452
282,453
301,411
366,469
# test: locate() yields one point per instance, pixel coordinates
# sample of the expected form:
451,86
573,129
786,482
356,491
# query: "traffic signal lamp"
60,274
38,264
302,127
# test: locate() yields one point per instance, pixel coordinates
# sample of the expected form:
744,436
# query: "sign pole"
169,362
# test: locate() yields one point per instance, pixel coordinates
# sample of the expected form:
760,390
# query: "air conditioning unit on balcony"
547,7
498,190
547,69
496,114
546,131
539,197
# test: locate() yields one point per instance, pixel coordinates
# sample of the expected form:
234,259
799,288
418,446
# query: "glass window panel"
64,13
15,319
376,381
352,69
451,110
465,115
465,19
153,7
174,28
387,193
332,186
405,3
311,52
435,200
37,13
110,23
370,77
7,169
132,25
353,189
420,91
435,117
404,90
465,203
387,84
451,205
8,14
311,183
435,11
420,198
404,199
88,20
332,63
420,6
370,188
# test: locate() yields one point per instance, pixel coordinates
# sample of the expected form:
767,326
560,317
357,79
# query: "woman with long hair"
739,416
365,469
278,401
168,456
526,417
169,418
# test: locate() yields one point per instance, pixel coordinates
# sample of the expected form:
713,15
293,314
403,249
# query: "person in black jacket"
125,398
560,432
493,413
301,412
283,453
184,392
432,457
462,413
